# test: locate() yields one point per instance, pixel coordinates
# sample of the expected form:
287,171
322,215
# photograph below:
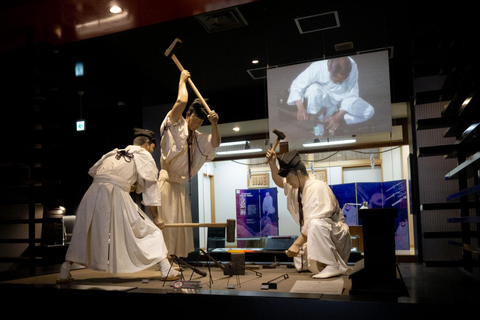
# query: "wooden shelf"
442,150
446,206
464,193
465,246
468,165
449,234
435,123
464,220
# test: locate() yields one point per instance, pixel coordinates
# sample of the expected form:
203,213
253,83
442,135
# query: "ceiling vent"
343,46
389,49
222,20
318,22
258,73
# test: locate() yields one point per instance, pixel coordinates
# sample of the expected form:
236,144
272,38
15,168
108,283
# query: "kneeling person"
110,232
319,215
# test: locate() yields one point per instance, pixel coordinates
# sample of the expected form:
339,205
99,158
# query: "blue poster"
347,198
389,194
395,193
248,213
269,221
371,192
257,212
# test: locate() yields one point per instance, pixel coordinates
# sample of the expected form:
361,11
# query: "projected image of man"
327,92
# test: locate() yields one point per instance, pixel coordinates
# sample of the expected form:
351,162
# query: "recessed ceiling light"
115,9
255,61
236,129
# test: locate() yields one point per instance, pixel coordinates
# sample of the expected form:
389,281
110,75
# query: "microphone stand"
215,262
182,263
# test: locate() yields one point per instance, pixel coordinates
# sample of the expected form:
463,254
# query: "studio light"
116,9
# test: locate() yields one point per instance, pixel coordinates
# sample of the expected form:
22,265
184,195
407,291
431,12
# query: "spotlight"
116,9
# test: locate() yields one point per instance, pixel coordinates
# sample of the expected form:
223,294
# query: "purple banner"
248,213
257,212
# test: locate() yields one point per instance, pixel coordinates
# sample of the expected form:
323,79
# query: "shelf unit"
31,170
461,120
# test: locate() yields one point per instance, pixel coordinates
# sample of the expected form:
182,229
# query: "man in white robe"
314,206
184,150
331,89
111,233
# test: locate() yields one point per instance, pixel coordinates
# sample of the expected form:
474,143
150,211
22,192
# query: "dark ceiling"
433,57
125,57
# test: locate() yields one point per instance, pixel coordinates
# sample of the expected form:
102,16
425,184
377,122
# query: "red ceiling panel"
63,21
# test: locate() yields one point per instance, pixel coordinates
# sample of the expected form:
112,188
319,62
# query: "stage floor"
430,292
282,278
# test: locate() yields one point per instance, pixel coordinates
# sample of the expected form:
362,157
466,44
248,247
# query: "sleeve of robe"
205,143
147,178
173,137
93,170
316,72
292,201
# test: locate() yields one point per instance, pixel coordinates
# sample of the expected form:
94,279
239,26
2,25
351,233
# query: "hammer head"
173,47
280,134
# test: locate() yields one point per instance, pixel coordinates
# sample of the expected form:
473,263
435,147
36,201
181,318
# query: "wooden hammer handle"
190,82
272,149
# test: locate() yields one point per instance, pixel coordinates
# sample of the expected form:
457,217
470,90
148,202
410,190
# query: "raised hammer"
280,136
171,53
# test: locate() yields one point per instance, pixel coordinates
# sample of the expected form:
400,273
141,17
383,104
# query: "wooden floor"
282,278
432,292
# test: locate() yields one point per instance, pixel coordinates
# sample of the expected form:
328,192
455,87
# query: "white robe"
109,232
314,84
328,237
174,174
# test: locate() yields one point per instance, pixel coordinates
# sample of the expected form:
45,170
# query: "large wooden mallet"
280,136
171,53
230,225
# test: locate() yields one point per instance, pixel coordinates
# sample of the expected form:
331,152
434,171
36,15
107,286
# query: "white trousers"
328,243
358,110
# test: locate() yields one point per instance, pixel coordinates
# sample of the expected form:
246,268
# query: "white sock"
166,269
65,270
328,272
